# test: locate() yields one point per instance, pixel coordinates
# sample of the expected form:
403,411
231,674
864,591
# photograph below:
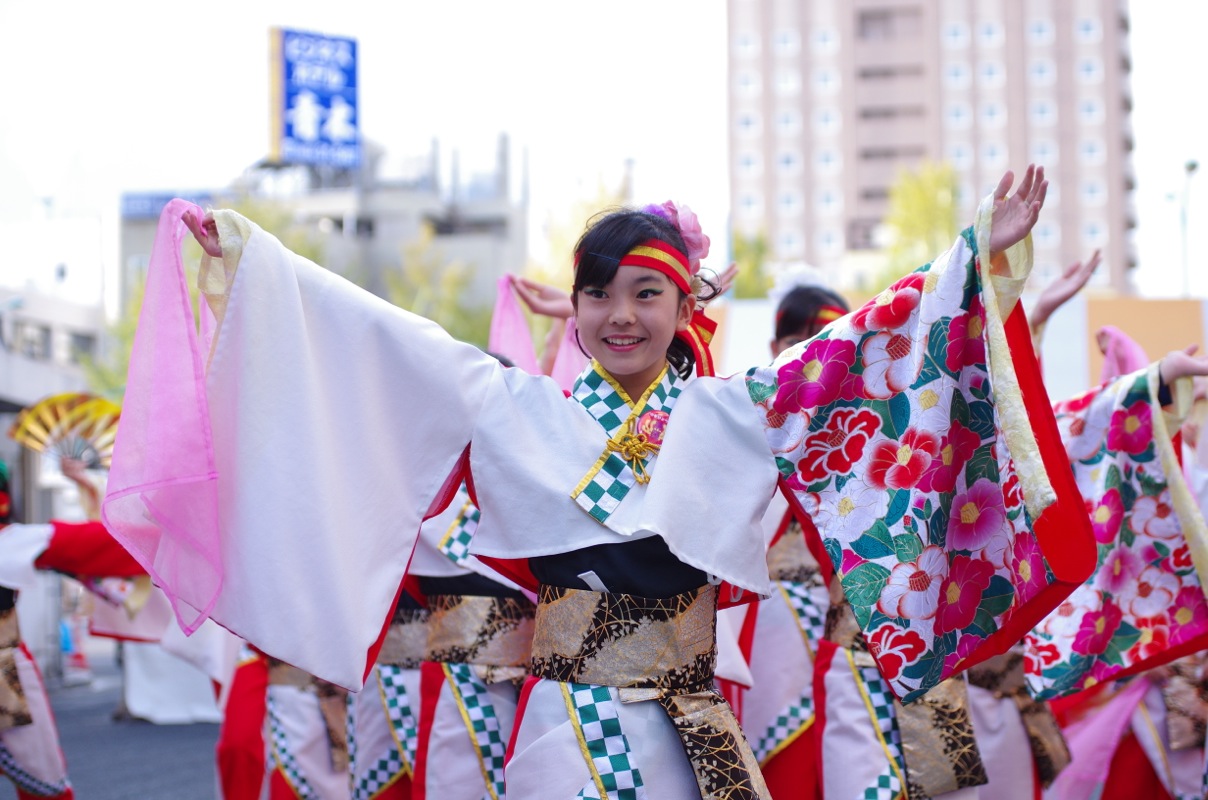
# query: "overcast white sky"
141,95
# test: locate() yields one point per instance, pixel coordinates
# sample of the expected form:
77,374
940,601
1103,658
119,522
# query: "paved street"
127,760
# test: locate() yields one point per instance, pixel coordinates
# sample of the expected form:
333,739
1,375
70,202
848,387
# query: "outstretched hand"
1014,216
543,299
1181,364
1061,289
204,231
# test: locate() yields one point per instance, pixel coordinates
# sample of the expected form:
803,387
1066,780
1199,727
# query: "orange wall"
1159,326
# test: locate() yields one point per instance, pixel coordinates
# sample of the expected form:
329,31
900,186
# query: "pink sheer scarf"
162,498
1093,741
510,335
1121,355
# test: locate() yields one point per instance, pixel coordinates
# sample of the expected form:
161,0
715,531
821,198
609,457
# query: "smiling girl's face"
628,324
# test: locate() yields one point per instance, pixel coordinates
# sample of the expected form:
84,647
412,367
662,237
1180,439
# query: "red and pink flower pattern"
836,448
901,464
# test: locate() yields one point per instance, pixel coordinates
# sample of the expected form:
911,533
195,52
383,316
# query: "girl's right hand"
204,231
1181,364
543,299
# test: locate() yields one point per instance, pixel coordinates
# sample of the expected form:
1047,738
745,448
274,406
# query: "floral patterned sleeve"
1145,604
891,430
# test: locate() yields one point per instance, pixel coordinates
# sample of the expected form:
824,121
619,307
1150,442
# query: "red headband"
660,256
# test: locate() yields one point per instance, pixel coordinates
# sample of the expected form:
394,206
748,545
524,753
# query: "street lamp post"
1189,169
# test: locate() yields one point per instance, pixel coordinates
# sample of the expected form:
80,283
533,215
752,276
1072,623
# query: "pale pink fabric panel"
161,502
510,335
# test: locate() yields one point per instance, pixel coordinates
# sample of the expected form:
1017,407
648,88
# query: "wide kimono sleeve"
279,488
1144,605
916,435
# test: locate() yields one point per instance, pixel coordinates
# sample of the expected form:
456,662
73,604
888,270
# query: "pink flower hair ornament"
684,219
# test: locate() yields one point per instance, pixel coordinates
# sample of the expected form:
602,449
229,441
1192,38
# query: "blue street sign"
315,115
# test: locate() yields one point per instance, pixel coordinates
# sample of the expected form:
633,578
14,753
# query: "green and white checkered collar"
635,433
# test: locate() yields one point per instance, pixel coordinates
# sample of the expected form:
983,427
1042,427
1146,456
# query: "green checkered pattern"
787,723
611,757
483,724
888,786
284,755
614,479
810,616
456,544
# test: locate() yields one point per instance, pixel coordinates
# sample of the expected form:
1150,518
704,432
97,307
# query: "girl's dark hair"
612,234
799,309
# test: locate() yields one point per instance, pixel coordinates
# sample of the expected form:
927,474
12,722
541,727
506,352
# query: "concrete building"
363,222
830,99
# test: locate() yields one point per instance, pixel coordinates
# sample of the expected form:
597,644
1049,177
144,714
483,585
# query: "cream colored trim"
1006,272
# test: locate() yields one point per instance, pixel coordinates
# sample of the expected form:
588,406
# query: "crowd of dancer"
884,565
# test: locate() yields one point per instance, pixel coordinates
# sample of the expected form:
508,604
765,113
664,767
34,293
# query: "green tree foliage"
430,285
921,219
751,253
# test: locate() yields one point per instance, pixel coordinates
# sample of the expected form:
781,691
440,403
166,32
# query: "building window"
1090,70
789,162
1091,111
883,24
748,83
958,115
1094,234
961,155
827,160
32,340
825,40
749,203
992,73
787,42
826,120
1093,193
993,115
749,164
826,81
1044,152
790,244
788,82
1042,72
829,242
1040,31
1044,112
1091,151
83,347
994,155
1046,234
956,74
746,44
956,35
748,124
829,202
1088,30
990,34
790,204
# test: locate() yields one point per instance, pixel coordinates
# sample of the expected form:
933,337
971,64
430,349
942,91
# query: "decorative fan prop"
74,425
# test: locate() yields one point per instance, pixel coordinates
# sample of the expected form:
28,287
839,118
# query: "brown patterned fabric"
14,708
789,559
661,649
938,744
841,625
481,631
333,704
1185,694
282,674
406,640
1004,676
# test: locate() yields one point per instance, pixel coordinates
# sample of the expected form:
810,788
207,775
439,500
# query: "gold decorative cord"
635,448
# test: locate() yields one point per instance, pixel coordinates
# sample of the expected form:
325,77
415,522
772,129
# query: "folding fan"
73,425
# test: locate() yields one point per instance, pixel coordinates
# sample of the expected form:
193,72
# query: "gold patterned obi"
790,559
333,705
406,640
841,625
661,649
14,709
492,634
1004,676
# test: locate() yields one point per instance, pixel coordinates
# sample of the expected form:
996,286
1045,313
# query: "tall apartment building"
830,99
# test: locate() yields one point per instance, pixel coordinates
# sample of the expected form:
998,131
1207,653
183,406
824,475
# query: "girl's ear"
686,307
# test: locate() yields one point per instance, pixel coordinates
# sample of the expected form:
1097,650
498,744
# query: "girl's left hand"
1014,216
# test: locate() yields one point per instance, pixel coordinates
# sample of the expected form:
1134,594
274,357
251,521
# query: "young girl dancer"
632,510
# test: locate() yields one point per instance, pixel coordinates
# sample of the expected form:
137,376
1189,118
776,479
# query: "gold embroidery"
634,448
938,744
482,631
14,708
406,640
